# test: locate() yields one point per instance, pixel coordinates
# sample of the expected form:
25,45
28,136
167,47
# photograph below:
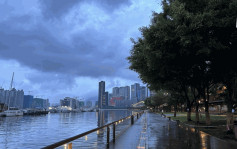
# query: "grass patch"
219,121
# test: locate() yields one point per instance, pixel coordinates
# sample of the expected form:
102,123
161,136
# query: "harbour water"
39,131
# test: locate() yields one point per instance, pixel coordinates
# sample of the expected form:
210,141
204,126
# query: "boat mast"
10,90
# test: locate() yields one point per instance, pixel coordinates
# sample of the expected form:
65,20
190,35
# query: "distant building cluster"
12,98
121,96
17,99
74,104
35,103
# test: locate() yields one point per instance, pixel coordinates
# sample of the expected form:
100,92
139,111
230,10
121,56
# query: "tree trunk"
189,115
208,120
197,114
229,116
207,115
175,110
229,121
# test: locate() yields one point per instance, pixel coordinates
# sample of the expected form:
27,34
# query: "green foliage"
189,46
160,98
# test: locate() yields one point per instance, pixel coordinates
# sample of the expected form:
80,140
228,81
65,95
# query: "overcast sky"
63,48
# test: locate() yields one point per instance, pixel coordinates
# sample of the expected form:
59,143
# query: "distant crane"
11,81
10,91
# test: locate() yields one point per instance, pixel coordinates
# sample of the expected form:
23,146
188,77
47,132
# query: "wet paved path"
153,131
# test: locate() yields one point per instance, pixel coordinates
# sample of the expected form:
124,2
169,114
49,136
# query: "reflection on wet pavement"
165,134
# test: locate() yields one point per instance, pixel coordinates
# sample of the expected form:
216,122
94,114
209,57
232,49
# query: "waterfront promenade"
154,131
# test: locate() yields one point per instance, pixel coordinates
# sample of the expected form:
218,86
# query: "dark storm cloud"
92,53
58,8
64,48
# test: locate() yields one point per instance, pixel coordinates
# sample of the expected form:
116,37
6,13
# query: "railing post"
113,132
108,133
132,119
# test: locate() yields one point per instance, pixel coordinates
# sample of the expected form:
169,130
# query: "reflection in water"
31,131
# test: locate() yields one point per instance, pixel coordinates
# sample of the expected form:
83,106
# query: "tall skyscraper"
124,92
101,93
127,92
105,99
142,93
115,92
135,92
27,103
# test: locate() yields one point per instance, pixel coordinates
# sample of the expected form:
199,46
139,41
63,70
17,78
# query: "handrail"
57,144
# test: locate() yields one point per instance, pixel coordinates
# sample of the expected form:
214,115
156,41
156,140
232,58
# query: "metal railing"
69,140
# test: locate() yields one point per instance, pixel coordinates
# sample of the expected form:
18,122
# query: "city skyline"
120,95
65,49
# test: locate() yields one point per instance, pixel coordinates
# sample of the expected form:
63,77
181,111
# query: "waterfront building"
123,103
105,100
109,97
135,92
115,100
19,99
68,102
64,102
27,103
40,103
115,92
127,93
124,92
88,104
2,96
101,93
142,93
12,98
81,103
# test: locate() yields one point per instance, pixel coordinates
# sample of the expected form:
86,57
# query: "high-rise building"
69,102
27,103
124,92
14,98
80,104
105,100
115,92
135,92
40,103
2,96
101,93
127,93
89,104
142,93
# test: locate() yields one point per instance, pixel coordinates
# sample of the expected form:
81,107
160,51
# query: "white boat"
13,112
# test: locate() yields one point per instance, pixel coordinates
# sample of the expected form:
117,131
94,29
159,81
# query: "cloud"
60,42
55,9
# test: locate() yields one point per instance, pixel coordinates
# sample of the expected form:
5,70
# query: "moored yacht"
13,112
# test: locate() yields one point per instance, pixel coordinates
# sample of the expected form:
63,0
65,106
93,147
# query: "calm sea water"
39,131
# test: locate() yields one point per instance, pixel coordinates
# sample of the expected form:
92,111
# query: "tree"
191,44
